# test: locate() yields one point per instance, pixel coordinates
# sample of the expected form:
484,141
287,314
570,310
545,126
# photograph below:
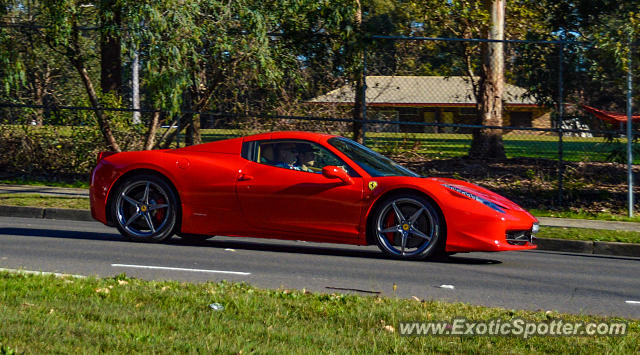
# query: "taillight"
103,155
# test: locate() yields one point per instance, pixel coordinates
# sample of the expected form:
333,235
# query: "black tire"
408,217
145,209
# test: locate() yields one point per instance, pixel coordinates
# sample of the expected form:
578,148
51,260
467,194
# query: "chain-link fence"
563,111
550,115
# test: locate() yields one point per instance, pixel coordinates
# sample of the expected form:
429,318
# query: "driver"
307,158
287,156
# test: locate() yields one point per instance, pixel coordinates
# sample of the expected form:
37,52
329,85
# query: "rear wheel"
407,226
145,209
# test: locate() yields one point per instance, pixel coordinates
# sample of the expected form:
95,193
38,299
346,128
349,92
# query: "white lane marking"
30,272
632,302
181,269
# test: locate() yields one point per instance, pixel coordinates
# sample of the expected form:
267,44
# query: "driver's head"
306,154
287,153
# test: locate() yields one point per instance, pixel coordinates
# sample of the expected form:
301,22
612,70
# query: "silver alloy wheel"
406,227
142,208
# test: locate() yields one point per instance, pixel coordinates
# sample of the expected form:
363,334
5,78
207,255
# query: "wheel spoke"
147,217
157,206
398,212
130,200
132,219
145,198
418,233
404,242
415,216
397,228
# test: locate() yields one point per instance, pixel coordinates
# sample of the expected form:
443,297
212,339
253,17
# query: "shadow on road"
359,252
48,233
269,245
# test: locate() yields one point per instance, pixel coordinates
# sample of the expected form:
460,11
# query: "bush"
56,152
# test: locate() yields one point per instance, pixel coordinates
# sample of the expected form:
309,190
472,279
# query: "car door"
277,198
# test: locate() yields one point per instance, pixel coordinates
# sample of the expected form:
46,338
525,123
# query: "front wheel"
407,226
145,209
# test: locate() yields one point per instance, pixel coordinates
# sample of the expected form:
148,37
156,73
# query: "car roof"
310,136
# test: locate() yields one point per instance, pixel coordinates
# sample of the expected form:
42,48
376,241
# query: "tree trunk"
39,98
193,130
192,121
110,51
74,55
151,132
95,103
487,142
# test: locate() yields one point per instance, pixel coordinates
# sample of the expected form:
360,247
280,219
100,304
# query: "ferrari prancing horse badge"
372,185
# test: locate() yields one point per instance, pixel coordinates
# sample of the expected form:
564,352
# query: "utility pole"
135,87
630,126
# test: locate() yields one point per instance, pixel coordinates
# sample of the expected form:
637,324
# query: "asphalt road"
535,280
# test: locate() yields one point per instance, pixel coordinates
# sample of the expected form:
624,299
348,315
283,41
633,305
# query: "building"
434,99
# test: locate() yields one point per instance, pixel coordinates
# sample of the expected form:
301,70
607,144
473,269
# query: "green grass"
44,314
601,216
36,200
42,182
589,234
448,145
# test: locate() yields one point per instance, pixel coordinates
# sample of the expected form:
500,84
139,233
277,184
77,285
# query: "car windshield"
373,163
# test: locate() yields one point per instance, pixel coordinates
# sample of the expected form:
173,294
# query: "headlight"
535,229
468,194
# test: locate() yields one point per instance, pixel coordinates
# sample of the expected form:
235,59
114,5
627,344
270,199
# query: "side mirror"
335,172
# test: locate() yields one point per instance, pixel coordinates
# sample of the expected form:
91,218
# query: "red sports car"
301,186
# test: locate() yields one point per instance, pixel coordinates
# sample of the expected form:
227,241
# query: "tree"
62,34
485,19
110,46
487,142
30,69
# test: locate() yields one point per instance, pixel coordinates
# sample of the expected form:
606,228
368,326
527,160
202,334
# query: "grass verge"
45,314
36,200
589,234
580,214
41,182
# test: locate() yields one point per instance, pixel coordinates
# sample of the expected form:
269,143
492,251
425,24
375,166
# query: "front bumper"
523,237
514,230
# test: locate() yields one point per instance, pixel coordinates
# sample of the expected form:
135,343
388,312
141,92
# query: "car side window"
297,155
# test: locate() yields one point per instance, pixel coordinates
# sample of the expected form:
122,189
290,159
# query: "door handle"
244,177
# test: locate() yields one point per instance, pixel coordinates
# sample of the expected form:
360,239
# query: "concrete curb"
589,247
563,245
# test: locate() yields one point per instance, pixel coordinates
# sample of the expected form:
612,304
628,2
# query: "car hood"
479,191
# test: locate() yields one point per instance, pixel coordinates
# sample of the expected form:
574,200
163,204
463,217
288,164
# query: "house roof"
421,91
